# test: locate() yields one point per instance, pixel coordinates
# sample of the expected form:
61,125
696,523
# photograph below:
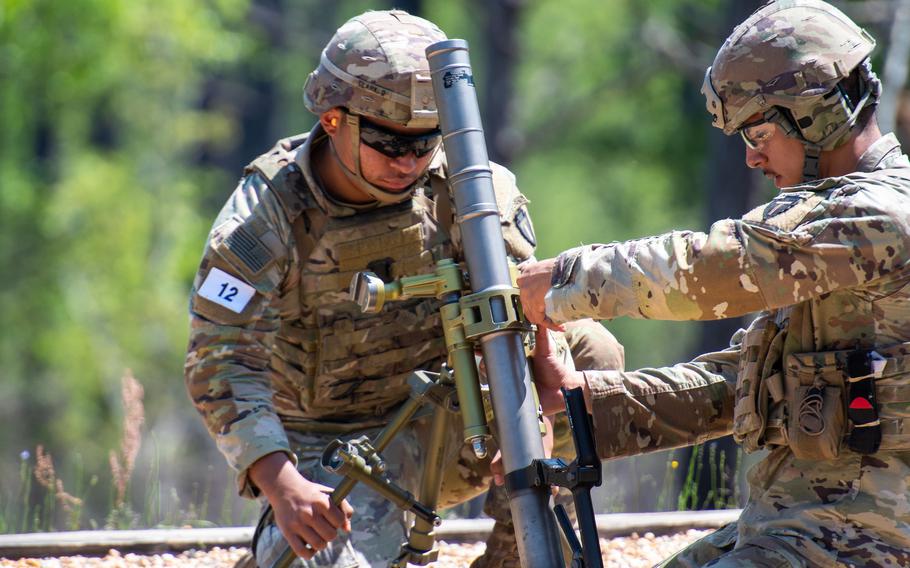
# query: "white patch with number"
226,290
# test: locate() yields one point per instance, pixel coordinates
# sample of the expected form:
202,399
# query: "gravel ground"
627,552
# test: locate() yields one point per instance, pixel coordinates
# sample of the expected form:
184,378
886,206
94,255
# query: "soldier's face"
779,157
392,173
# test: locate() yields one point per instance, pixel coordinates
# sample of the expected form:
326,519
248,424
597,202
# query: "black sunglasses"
394,144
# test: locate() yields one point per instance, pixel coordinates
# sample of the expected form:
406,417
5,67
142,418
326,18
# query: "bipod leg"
562,517
590,555
419,390
578,477
420,549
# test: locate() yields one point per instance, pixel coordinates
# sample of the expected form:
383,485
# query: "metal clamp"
491,311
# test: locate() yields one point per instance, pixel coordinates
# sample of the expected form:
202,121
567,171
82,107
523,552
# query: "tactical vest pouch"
816,385
816,420
756,379
886,389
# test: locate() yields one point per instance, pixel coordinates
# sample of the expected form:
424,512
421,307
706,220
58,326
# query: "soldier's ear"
330,121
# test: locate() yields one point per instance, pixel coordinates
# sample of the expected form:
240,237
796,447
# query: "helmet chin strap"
813,154
871,94
355,176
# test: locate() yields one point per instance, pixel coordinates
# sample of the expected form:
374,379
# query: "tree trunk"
894,74
500,58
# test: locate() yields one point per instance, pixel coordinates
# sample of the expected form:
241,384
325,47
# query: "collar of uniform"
879,155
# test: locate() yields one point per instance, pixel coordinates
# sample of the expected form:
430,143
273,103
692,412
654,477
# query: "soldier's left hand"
533,284
550,374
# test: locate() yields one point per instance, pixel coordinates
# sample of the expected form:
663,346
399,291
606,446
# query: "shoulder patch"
786,211
523,222
248,249
247,244
780,205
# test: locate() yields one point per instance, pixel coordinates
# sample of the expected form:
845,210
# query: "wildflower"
674,464
131,394
47,477
69,502
44,468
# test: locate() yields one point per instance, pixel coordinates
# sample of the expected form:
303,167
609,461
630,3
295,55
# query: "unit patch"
781,204
226,290
785,212
523,222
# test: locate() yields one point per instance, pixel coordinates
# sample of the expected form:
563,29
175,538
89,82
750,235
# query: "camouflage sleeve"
797,247
637,412
517,229
234,316
593,347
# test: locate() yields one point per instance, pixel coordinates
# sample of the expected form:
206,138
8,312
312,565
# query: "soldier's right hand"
533,284
303,509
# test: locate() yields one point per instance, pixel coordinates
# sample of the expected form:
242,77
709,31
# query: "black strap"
862,409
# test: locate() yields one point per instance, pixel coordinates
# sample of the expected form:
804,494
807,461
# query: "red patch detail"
860,403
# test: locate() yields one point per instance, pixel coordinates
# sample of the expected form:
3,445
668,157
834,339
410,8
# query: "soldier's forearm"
639,412
680,275
591,282
272,472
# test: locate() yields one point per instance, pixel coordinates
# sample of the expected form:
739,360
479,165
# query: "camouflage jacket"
275,342
826,260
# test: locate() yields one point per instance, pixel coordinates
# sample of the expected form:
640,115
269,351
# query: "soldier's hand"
533,284
303,510
548,439
550,374
497,469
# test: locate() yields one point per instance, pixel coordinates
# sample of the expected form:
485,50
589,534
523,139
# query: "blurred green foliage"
100,208
126,123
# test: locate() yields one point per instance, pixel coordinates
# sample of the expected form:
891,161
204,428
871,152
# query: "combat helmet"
786,62
375,66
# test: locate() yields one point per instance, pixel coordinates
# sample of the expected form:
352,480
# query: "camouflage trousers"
379,528
851,511
717,551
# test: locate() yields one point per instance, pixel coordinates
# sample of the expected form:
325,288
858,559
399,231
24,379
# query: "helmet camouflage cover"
792,54
375,66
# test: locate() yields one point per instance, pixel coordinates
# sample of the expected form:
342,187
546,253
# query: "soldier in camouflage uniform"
820,378
280,361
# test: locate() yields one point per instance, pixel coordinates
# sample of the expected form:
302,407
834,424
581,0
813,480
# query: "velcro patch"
780,205
523,222
786,211
248,249
226,290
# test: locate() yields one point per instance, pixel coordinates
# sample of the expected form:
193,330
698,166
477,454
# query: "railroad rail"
160,541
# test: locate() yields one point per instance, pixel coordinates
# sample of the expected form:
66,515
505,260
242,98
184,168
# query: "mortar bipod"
360,460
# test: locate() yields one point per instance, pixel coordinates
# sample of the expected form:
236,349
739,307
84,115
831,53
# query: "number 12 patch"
225,290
